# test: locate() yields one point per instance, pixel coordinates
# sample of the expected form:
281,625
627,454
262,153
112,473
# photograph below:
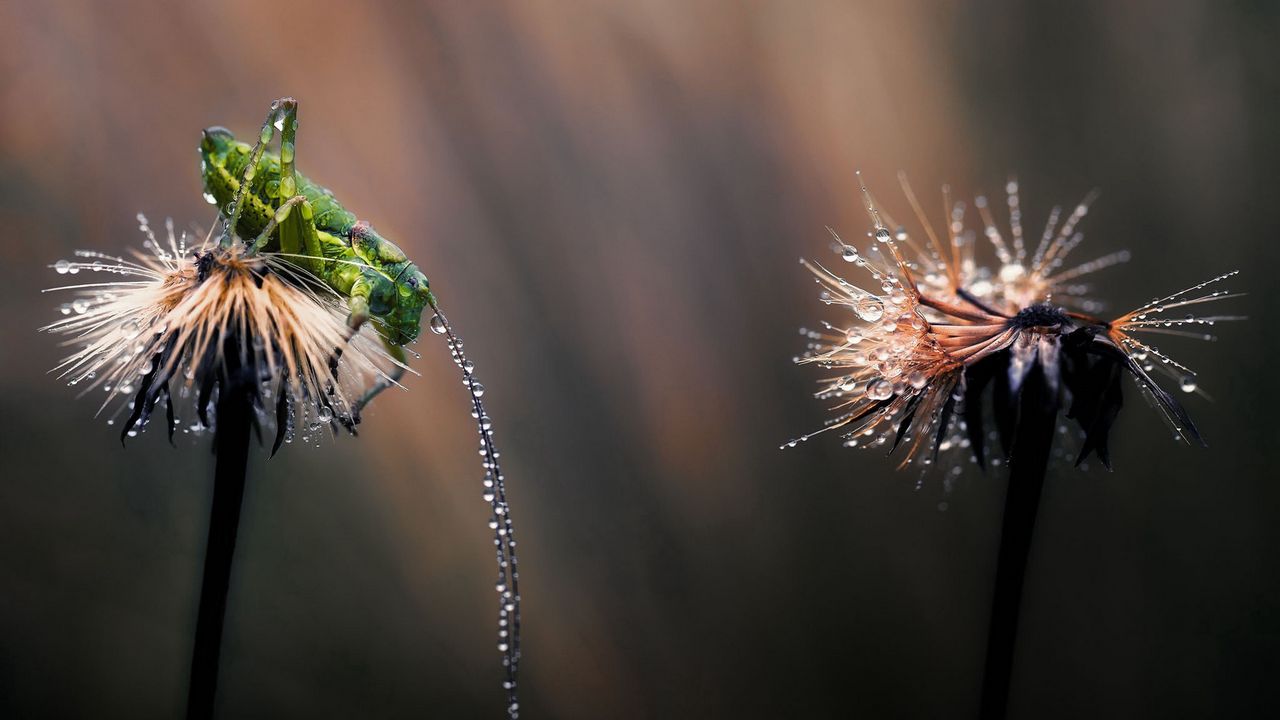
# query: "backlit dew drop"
437,325
62,266
882,235
880,390
1188,384
324,414
849,253
868,308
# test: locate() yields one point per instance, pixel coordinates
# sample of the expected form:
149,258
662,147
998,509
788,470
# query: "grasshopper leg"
289,108
298,236
391,378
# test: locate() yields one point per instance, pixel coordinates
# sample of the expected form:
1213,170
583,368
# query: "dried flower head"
192,320
919,348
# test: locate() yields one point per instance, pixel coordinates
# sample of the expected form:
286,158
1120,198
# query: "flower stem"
231,445
1028,460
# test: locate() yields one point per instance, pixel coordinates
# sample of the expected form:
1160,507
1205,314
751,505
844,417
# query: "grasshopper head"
413,295
217,148
215,142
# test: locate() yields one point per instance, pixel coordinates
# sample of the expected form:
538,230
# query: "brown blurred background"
609,198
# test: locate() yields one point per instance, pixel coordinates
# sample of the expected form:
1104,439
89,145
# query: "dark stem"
1028,460
231,445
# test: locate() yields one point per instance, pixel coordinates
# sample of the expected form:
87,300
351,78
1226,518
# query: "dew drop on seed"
882,235
849,253
869,309
437,324
324,414
62,266
477,389
1188,384
880,390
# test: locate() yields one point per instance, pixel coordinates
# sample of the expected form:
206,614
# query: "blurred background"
610,198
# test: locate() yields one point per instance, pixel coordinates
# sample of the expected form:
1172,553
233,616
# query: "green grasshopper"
262,196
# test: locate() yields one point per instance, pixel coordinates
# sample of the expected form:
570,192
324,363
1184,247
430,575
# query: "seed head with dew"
179,322
937,322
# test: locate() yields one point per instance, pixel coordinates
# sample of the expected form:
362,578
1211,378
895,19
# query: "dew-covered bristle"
1166,316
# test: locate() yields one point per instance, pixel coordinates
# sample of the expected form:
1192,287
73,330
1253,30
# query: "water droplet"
849,253
62,266
324,414
868,308
1188,384
437,324
882,235
1011,272
880,390
477,389
79,305
209,198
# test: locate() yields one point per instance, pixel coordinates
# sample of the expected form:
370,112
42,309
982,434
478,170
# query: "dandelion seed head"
161,331
926,322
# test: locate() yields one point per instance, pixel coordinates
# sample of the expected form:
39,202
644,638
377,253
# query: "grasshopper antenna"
495,493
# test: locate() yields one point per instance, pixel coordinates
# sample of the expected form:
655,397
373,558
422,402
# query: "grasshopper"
262,196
